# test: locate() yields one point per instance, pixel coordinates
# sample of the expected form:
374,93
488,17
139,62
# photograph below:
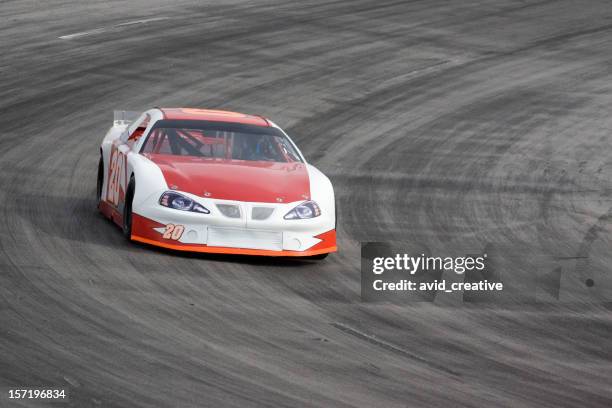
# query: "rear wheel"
127,209
100,181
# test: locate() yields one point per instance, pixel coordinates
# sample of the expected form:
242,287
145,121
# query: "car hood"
254,181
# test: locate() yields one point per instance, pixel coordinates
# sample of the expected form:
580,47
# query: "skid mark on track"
392,348
593,233
101,30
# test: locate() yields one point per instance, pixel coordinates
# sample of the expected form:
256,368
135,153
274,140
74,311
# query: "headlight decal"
308,209
176,201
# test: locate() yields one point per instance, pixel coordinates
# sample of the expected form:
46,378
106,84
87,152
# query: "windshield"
222,140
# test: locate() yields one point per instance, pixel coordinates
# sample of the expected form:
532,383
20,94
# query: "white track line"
146,20
83,33
104,29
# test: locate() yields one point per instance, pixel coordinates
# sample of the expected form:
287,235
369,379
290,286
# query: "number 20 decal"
173,232
116,178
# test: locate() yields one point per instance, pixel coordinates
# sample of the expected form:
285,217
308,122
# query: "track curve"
478,125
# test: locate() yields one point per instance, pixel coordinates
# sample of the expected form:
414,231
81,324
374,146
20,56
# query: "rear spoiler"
124,118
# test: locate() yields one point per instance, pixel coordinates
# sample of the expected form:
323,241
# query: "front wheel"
127,209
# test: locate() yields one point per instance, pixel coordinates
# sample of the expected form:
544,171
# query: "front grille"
229,210
245,238
261,213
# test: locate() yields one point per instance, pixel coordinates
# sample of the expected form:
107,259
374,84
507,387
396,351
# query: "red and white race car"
214,181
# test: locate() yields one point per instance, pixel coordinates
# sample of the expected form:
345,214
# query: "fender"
152,183
105,150
322,191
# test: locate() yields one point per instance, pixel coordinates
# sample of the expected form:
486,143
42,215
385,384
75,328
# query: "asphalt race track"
455,126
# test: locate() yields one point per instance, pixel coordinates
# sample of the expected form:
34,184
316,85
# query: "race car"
214,181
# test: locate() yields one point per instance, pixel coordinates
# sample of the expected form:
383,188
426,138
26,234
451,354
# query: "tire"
100,181
127,209
319,257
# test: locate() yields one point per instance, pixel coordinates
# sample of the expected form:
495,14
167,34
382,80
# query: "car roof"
213,115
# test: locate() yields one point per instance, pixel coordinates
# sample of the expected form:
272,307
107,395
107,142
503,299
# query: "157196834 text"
33,393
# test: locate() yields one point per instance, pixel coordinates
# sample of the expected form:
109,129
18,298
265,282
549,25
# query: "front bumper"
231,239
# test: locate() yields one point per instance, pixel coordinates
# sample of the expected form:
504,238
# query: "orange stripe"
236,251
